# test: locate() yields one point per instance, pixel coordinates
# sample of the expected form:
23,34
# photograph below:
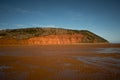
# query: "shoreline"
95,45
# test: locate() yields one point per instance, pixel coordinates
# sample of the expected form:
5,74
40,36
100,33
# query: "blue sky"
99,16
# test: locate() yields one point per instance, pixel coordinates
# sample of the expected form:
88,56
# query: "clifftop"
48,36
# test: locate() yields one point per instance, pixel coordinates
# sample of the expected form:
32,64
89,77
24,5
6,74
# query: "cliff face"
49,36
56,39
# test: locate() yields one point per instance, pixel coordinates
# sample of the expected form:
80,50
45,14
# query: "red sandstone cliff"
51,39
49,36
56,39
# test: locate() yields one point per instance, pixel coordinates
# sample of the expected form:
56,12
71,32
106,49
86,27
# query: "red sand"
60,62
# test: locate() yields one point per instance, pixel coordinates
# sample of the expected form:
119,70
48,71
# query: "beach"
60,62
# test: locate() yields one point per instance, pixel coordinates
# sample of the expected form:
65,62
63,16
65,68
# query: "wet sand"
60,62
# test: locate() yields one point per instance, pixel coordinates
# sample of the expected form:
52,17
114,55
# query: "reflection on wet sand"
108,50
66,62
107,63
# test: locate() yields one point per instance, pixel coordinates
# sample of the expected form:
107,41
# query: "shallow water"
108,50
107,63
5,67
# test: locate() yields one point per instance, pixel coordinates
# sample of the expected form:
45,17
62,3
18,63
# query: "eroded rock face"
56,39
51,39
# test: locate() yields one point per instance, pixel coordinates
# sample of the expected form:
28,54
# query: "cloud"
12,9
8,24
3,23
13,26
19,25
43,25
21,10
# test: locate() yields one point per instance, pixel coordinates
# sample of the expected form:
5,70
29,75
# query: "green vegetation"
27,33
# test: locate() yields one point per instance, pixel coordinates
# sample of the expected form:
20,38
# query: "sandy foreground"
60,62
